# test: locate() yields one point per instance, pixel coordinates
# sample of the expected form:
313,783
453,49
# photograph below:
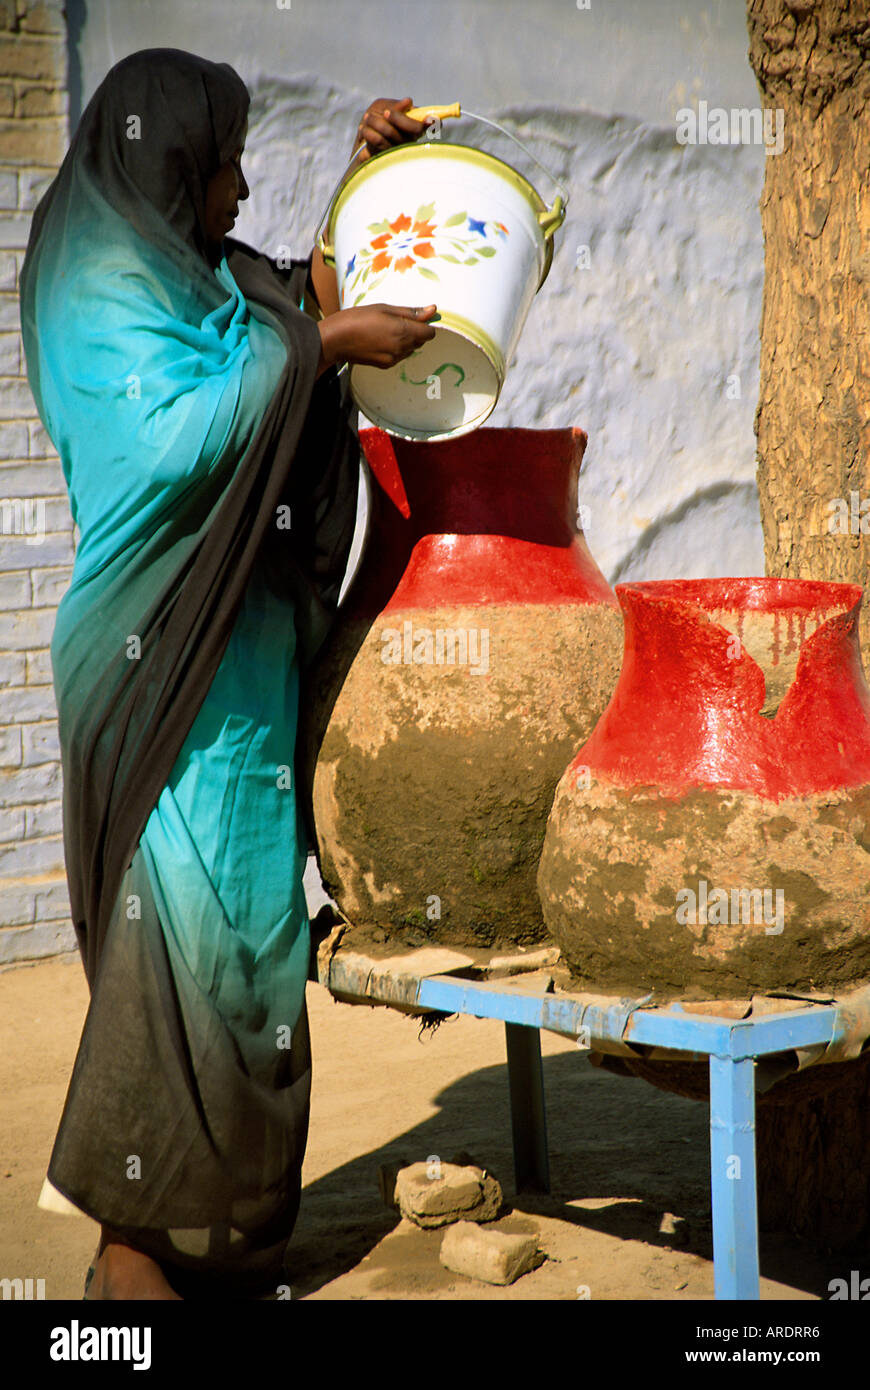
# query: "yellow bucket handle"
419,113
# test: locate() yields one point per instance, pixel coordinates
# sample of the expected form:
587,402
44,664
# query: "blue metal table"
732,1046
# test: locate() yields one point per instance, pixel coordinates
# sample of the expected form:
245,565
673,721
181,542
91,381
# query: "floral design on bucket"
405,242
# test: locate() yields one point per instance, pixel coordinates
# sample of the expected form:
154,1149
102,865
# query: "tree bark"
812,61
812,422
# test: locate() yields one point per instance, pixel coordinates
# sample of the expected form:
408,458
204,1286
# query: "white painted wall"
639,348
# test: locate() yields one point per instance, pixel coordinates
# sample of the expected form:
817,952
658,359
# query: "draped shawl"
182,398
139,360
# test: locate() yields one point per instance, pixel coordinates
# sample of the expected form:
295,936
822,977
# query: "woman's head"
225,190
164,133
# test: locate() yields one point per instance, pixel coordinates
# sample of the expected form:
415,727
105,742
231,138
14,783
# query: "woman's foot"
122,1273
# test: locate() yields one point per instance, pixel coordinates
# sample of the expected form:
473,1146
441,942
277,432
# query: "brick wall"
36,530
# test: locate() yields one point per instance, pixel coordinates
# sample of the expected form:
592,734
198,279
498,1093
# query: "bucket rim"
464,328
425,151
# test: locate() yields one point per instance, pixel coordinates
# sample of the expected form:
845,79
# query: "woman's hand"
375,335
384,124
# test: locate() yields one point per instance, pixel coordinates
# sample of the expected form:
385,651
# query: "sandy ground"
622,1154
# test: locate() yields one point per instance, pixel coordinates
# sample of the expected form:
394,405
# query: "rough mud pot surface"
626,1161
435,783
615,858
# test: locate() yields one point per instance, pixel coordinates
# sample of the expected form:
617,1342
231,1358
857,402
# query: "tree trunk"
812,62
812,422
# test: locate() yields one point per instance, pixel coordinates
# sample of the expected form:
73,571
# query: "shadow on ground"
639,1151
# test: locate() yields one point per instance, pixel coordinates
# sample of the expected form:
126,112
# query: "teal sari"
213,480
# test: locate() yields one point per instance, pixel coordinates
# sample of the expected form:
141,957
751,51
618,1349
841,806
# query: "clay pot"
446,707
711,838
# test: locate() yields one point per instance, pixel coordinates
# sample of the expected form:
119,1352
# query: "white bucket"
440,223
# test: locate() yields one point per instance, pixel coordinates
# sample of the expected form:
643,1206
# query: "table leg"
732,1171
528,1108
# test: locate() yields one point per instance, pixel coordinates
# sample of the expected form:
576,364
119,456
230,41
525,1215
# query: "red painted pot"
445,713
711,838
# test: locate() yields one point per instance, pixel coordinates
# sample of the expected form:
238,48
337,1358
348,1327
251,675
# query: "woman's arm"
377,335
324,283
327,348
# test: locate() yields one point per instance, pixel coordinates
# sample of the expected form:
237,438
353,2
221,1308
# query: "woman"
212,462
